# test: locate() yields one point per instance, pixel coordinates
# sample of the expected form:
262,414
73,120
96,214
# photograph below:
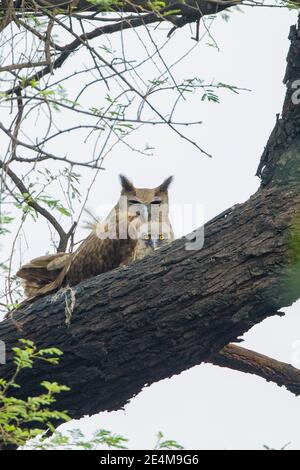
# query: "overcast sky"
208,407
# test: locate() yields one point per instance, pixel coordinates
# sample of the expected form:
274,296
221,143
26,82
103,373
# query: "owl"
137,225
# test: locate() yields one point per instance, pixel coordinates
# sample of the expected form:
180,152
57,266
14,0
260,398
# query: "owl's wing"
40,274
98,255
94,256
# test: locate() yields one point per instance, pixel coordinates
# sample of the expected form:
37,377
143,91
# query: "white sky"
208,407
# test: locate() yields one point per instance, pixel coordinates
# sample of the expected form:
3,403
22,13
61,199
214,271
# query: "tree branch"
244,360
191,11
67,50
31,202
42,154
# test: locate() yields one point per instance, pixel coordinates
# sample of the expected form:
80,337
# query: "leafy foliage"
5,220
166,444
75,439
16,415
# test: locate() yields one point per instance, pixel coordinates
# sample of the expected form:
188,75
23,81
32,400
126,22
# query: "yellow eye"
161,237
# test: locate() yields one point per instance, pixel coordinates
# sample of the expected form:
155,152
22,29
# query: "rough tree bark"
177,308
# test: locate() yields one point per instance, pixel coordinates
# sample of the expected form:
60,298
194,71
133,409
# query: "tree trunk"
176,308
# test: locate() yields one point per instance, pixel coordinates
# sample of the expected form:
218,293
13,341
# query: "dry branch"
244,360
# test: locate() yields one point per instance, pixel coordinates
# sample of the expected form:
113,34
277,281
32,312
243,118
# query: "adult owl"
137,225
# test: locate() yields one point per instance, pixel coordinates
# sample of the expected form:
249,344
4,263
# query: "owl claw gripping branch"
136,226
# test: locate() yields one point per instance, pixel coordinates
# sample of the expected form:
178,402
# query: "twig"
30,201
45,155
17,125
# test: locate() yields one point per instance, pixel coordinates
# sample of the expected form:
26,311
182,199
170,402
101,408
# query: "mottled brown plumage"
97,253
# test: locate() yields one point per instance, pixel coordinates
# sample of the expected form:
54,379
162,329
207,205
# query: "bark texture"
176,308
251,362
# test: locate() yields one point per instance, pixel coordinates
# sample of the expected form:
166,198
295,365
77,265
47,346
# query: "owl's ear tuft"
164,186
126,184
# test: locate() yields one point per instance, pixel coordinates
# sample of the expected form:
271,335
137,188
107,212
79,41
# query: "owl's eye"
156,201
161,237
147,236
133,201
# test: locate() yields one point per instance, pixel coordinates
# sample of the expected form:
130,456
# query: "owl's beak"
149,243
152,242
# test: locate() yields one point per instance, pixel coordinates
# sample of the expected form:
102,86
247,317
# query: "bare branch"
44,155
251,362
30,201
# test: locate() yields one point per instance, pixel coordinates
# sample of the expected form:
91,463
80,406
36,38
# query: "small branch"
48,44
64,237
39,35
17,125
126,23
25,65
67,50
83,40
244,360
44,155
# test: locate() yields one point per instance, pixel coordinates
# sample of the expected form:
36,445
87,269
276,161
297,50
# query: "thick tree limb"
178,308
